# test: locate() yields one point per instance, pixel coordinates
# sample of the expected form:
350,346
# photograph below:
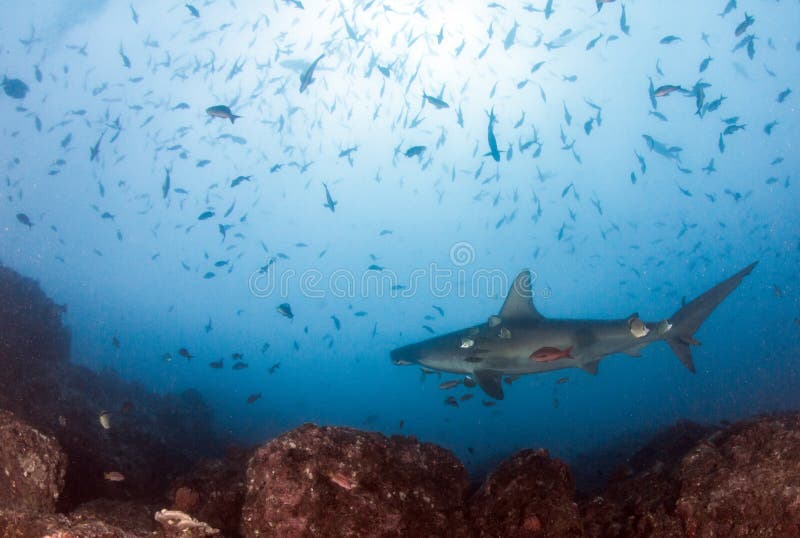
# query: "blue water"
599,244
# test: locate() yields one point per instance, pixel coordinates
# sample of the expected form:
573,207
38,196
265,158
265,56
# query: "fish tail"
686,321
234,118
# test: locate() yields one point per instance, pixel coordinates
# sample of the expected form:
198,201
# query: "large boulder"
32,467
743,480
135,517
29,524
640,497
529,494
328,481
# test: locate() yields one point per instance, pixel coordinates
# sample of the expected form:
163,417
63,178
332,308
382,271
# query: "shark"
519,340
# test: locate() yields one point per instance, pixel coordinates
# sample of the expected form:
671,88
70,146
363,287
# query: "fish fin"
519,301
684,353
591,367
490,382
688,319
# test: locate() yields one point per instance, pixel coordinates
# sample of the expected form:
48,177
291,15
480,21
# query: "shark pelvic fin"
490,382
591,367
519,301
689,318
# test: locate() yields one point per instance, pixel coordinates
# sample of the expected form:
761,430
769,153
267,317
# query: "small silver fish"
637,327
663,326
467,343
105,420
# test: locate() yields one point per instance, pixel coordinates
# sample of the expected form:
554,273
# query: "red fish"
547,354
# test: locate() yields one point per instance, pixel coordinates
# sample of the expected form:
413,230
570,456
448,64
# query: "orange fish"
114,476
547,354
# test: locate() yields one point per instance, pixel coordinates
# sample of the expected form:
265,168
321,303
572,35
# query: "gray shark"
519,340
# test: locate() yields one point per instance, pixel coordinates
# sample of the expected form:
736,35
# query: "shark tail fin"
691,316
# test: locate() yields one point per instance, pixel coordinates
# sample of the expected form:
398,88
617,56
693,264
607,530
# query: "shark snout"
403,356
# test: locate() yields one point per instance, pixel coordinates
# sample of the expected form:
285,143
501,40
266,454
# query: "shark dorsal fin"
519,301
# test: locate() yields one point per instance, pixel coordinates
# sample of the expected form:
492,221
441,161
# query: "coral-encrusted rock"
177,524
326,481
744,481
134,517
529,494
29,524
214,491
32,467
740,481
640,498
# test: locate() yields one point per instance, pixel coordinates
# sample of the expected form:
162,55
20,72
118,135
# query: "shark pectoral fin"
591,367
490,382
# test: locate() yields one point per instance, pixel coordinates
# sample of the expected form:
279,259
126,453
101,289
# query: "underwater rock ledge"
152,439
743,479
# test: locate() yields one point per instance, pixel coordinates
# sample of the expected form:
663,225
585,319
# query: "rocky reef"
693,480
153,438
58,465
325,481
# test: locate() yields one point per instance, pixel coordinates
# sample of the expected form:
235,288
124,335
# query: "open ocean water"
260,200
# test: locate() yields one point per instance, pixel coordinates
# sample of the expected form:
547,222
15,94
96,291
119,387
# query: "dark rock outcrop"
32,467
214,491
325,481
744,481
529,494
695,480
153,438
641,495
135,517
29,524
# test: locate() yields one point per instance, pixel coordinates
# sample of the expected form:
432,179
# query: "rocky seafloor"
740,479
